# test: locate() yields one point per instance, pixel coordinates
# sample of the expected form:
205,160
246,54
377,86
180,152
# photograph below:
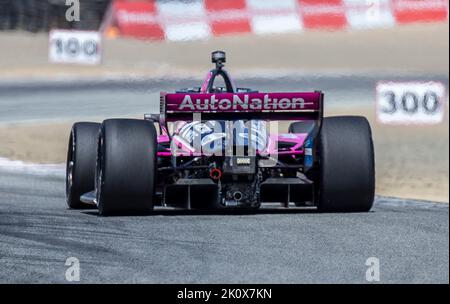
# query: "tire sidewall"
347,166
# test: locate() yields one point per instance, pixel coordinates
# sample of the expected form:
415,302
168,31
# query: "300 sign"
82,47
410,102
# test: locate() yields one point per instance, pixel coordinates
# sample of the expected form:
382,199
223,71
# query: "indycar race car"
223,147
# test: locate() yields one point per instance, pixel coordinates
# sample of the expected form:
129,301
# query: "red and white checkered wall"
202,19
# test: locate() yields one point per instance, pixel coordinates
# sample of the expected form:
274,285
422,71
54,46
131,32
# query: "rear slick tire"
347,166
126,167
80,164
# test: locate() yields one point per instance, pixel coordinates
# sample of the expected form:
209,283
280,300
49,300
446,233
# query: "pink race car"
223,147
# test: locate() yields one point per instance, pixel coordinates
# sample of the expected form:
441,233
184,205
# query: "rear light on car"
215,174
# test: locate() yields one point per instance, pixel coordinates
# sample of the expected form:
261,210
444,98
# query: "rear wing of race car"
182,108
236,106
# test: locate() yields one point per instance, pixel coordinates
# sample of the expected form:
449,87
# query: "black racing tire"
126,167
301,127
347,166
80,164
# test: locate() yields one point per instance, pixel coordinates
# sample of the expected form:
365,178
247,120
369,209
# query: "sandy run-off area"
411,50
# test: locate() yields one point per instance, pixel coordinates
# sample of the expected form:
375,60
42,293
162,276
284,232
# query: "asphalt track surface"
38,232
